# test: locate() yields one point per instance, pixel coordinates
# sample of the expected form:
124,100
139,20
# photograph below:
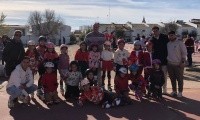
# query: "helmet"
107,43
156,61
123,70
63,46
120,41
85,81
42,38
50,45
49,64
31,42
137,42
133,67
88,71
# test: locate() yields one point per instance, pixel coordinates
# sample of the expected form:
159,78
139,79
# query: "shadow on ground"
168,109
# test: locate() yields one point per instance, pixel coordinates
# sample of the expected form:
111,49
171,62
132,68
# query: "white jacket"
19,76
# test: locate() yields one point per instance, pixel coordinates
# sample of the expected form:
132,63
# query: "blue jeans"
15,92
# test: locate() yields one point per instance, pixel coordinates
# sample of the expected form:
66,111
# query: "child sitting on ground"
90,76
156,80
50,84
96,95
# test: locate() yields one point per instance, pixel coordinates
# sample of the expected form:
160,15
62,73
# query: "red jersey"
136,57
95,95
50,55
121,84
82,56
147,59
49,82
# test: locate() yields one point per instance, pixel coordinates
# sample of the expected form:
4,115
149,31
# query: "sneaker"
179,95
173,94
10,103
32,95
62,91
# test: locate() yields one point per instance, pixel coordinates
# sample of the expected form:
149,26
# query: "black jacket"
160,48
13,54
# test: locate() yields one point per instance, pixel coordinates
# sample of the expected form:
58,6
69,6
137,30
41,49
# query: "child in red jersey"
107,64
49,56
138,83
82,57
50,84
34,56
63,65
136,56
96,95
121,85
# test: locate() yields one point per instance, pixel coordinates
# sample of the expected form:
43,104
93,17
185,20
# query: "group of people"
83,79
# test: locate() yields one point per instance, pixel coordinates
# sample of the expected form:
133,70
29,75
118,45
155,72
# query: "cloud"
85,12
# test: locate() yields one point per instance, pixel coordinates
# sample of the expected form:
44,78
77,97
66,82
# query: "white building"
26,36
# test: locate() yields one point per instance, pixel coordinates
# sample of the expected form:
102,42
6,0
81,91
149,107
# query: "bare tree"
47,23
3,28
171,26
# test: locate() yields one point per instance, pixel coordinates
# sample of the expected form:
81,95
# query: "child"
138,82
72,82
90,76
41,49
107,64
96,95
136,56
63,65
50,84
49,56
94,59
82,57
156,79
34,56
147,63
121,85
120,56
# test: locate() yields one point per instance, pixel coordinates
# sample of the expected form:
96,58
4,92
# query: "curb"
3,84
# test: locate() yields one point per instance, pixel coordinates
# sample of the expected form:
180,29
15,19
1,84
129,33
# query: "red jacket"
82,56
138,80
147,59
121,84
136,58
95,95
49,82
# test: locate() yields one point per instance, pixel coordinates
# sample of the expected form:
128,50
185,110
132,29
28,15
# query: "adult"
189,43
13,52
5,39
95,37
176,61
20,83
160,41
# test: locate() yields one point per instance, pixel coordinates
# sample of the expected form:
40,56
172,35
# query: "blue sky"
85,12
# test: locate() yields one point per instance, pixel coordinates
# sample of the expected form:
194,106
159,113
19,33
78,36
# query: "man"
176,61
20,83
95,37
189,42
160,51
13,52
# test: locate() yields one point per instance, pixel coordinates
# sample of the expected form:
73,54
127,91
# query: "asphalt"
185,108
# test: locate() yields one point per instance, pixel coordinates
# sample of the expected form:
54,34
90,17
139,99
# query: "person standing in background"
189,43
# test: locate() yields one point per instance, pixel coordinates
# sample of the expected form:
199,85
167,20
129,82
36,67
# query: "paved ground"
186,108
